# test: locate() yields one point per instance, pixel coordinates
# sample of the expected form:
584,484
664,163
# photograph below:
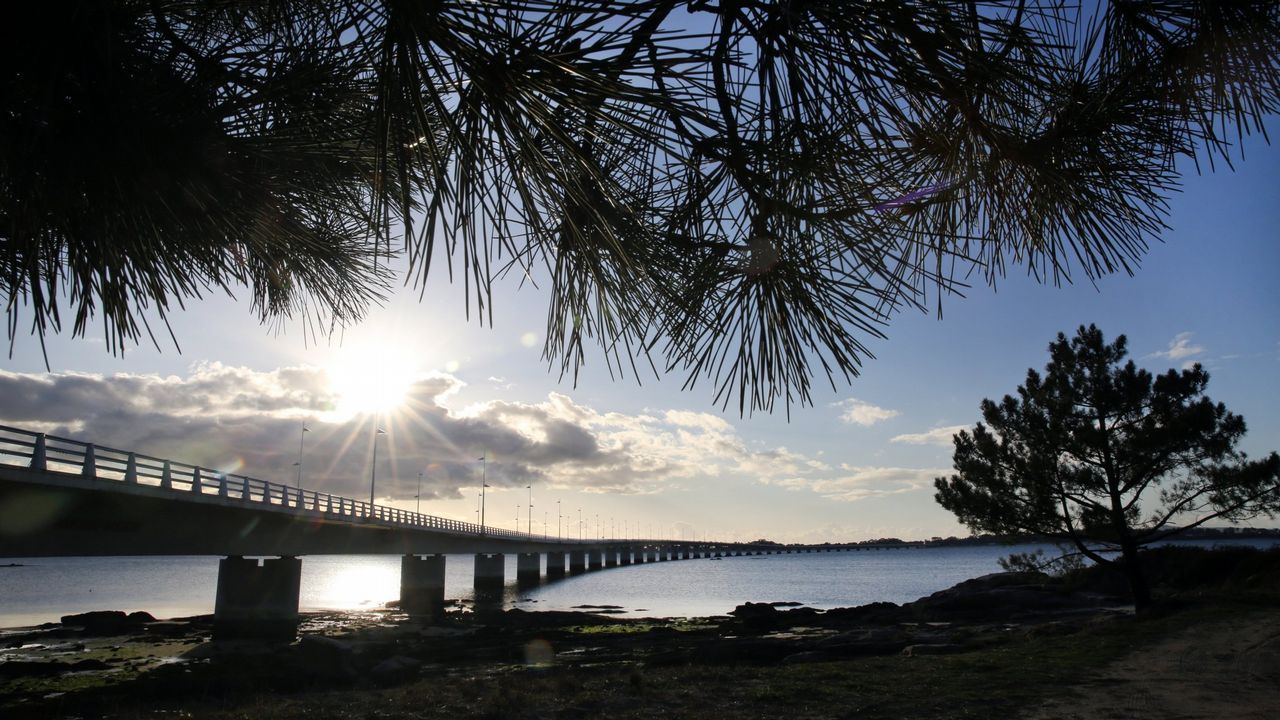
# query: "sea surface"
39,590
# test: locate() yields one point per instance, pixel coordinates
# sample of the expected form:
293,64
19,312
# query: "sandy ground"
1228,670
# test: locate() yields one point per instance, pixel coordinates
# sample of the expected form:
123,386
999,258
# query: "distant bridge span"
63,497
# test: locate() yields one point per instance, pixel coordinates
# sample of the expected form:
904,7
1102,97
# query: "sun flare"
372,382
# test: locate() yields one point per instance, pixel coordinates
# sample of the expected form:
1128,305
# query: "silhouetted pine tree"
1106,458
740,191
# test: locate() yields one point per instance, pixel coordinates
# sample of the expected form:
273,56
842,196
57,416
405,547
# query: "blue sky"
856,465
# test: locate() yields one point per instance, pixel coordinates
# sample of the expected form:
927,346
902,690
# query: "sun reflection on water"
350,582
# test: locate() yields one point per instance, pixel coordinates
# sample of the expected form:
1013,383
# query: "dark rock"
754,610
325,657
40,668
871,613
932,649
809,656
168,629
799,614
1001,597
785,603
30,668
140,617
744,652
871,641
758,616
99,622
395,669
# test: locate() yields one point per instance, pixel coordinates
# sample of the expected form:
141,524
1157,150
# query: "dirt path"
1227,670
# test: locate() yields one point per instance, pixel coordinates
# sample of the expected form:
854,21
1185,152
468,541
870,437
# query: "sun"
371,382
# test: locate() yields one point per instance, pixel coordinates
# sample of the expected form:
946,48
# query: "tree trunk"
1133,573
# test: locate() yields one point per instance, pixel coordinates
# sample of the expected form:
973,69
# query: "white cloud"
860,483
938,436
240,420
862,413
1180,347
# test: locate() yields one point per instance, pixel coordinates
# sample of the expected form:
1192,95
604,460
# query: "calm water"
46,588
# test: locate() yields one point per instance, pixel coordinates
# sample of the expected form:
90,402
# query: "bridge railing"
40,451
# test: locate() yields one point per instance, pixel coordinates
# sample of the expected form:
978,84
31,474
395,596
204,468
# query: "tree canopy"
740,191
1105,457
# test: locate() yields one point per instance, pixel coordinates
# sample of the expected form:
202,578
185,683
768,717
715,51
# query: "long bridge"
64,497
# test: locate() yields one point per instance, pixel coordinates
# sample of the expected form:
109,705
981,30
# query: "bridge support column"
257,598
490,574
528,568
595,560
668,554
555,565
422,586
611,558
625,557
577,562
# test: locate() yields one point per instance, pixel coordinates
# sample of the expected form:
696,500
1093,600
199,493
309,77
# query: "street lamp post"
373,472
559,517
484,483
302,436
579,524
418,497
530,489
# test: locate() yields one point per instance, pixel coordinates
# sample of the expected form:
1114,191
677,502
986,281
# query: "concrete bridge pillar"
528,568
595,560
555,565
490,574
611,557
645,556
577,562
257,598
668,554
625,556
422,585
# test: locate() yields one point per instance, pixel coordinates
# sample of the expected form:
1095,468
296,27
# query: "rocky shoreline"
105,653
987,647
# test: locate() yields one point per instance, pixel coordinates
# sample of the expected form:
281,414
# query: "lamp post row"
484,484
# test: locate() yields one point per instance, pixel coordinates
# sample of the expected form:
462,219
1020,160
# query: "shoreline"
999,645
